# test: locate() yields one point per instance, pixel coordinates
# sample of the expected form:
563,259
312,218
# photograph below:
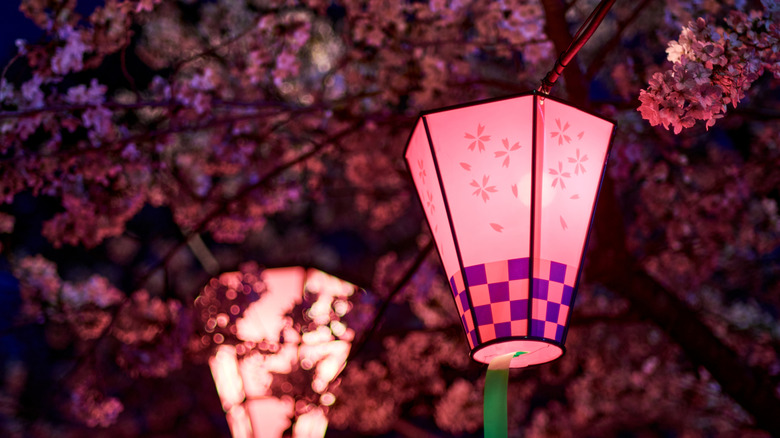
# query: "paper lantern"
509,187
267,344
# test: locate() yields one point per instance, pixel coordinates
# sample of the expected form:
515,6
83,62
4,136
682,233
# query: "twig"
386,303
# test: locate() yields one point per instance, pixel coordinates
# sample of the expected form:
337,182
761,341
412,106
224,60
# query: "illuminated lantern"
268,341
509,188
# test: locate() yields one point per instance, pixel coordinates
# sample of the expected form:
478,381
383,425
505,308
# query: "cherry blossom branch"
123,64
260,104
7,66
219,209
213,49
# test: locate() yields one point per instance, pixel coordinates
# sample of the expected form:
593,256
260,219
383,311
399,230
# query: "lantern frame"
520,340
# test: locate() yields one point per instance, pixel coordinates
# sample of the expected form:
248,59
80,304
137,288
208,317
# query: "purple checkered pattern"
499,295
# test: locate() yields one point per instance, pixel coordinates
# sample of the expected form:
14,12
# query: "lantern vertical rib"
533,215
452,230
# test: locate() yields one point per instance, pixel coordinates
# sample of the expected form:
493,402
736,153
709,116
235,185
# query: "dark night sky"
14,25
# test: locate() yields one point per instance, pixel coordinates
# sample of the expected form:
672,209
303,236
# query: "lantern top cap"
538,93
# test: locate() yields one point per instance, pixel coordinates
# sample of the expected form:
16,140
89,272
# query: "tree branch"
597,62
557,30
389,298
614,267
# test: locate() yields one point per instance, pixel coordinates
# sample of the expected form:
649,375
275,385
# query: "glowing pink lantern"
509,188
271,345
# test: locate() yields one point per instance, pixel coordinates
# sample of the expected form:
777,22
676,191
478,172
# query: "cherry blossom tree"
150,148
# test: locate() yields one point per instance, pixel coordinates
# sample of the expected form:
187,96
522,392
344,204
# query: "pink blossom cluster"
154,333
93,408
712,67
85,307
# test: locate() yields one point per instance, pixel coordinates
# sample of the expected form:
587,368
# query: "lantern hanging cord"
580,38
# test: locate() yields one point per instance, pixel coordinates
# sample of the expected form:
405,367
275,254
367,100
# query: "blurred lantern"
286,349
509,188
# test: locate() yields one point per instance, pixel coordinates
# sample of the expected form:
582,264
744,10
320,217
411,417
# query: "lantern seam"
454,235
532,234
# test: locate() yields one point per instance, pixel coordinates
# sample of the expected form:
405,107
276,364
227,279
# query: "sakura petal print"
559,175
422,173
563,224
505,153
479,139
578,160
560,134
483,189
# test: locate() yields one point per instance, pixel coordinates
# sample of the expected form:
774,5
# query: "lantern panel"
571,152
574,150
484,155
419,157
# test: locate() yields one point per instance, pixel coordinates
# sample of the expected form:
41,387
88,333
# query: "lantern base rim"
536,350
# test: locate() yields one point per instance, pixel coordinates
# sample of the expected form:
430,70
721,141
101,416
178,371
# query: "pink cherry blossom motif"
561,133
496,227
483,189
578,160
479,139
559,176
563,224
466,166
421,172
429,202
505,153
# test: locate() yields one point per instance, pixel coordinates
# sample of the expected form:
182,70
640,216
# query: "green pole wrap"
494,404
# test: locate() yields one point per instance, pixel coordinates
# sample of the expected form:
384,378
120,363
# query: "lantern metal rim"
507,97
524,361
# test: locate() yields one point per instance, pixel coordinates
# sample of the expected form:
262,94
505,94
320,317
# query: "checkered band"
499,295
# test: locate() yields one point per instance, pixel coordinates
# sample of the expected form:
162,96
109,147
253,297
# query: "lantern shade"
271,344
509,188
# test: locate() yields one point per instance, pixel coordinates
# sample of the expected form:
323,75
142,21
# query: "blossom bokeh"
158,157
